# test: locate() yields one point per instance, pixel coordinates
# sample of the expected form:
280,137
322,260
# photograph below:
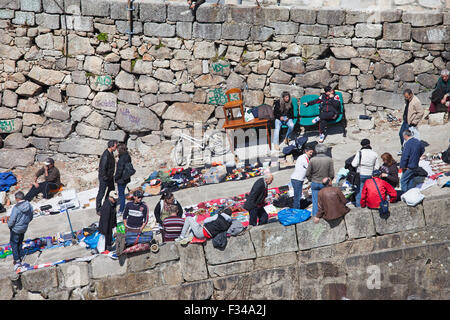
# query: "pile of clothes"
180,178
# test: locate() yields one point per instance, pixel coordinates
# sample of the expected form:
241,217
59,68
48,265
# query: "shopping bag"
290,216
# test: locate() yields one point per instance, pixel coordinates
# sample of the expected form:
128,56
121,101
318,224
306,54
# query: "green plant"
89,74
102,37
160,45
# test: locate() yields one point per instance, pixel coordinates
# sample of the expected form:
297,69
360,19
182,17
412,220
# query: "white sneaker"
316,119
178,239
186,240
321,138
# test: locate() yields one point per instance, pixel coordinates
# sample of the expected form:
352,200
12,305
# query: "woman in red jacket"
370,197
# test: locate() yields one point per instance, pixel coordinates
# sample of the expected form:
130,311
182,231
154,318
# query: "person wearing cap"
108,221
283,111
370,197
256,199
329,110
298,176
365,162
135,215
331,202
52,180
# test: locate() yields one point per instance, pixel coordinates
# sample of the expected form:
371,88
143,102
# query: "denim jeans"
297,185
278,124
15,240
315,188
407,180
404,127
121,192
362,180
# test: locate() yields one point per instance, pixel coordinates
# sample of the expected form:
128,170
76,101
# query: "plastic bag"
292,216
412,197
248,115
92,240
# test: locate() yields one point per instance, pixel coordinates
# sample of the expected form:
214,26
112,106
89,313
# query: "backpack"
128,171
265,112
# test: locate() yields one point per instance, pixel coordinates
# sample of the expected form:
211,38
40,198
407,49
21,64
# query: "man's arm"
102,165
12,218
308,171
331,170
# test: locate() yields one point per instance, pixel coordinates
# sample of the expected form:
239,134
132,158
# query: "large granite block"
238,248
311,235
401,218
193,264
153,11
437,210
359,223
273,238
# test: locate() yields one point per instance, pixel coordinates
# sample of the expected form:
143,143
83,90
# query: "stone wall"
70,81
363,257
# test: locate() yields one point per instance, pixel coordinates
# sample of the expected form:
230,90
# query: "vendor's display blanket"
210,208
179,178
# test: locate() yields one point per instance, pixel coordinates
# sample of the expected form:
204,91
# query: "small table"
241,124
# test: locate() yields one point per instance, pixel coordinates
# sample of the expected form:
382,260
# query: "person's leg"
253,216
404,181
263,217
315,188
290,125
35,191
110,187
190,224
432,107
14,243
400,133
46,187
362,180
276,133
297,186
100,195
121,191
108,240
20,245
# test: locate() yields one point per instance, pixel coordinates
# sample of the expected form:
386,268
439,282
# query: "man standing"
135,215
331,203
412,114
319,168
108,220
106,173
298,176
413,150
440,97
52,180
329,110
21,215
256,200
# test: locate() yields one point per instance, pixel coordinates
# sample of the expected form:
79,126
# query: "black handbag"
353,177
128,171
384,204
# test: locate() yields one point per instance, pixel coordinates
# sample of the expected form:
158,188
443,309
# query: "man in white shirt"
298,176
365,162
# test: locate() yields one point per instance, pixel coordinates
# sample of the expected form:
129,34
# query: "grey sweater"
320,167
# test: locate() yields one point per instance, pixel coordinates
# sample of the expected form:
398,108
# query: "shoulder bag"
384,204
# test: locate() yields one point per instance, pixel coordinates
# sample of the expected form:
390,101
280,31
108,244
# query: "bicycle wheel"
178,152
218,143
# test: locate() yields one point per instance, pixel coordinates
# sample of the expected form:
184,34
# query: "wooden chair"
232,104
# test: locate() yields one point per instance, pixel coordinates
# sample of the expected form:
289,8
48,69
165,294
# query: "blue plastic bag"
92,240
7,179
290,216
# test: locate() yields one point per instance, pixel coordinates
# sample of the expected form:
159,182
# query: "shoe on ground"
321,138
17,265
178,239
186,240
316,119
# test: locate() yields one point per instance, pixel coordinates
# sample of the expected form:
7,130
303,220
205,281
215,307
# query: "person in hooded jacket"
108,220
283,112
124,158
21,216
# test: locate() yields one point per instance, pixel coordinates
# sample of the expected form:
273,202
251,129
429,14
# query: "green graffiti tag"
6,126
218,67
218,97
104,80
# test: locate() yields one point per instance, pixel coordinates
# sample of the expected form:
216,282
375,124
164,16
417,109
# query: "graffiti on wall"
104,80
6,126
219,67
127,113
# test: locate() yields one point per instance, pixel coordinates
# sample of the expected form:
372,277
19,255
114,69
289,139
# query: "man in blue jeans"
319,168
412,151
21,215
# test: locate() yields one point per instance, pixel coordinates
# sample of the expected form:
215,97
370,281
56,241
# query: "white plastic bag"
101,243
248,115
412,197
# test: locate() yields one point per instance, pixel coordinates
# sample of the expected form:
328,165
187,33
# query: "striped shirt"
172,227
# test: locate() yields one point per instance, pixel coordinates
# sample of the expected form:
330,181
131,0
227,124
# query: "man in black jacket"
108,220
256,200
106,173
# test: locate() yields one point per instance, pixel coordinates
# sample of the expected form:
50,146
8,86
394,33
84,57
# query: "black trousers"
44,188
104,187
324,117
256,213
